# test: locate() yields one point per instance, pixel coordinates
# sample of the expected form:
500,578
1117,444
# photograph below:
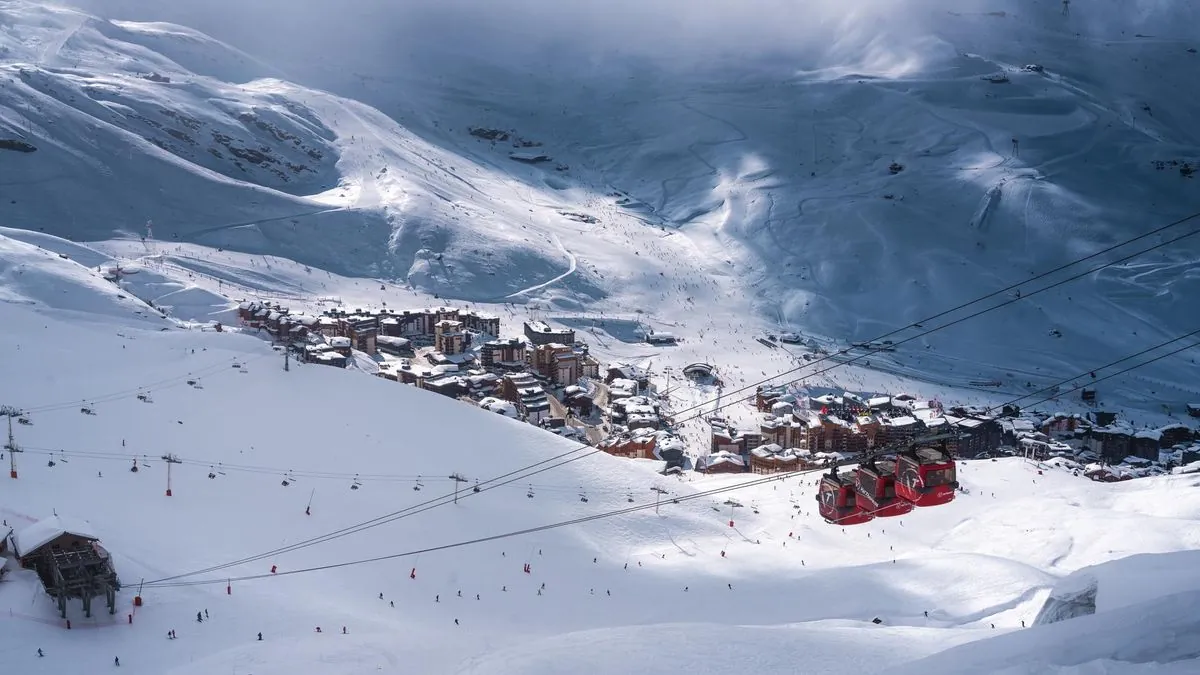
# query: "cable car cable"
162,583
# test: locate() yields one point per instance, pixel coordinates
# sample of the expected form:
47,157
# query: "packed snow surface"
648,591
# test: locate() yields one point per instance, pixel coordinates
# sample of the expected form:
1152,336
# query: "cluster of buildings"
795,433
1115,447
449,351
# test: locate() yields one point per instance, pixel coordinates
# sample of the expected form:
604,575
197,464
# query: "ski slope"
790,591
730,173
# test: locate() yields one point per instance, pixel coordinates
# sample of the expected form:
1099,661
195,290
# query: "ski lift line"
517,475
1055,391
166,583
173,580
701,412
206,371
124,457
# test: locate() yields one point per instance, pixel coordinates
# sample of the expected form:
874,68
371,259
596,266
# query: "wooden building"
70,562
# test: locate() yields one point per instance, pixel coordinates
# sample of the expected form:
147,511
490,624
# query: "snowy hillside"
838,187
276,469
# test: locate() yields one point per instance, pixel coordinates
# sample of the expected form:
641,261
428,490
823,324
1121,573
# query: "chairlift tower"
11,446
170,459
458,479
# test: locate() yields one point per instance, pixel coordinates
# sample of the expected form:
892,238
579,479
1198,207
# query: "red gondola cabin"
926,476
875,490
837,501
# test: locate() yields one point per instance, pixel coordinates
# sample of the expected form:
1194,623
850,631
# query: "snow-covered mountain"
270,460
843,172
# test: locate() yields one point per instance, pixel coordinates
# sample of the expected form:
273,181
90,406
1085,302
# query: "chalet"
721,462
540,333
727,439
765,397
621,388
1175,434
638,444
670,449
636,412
500,407
771,458
69,560
1193,409
449,337
504,354
575,398
341,345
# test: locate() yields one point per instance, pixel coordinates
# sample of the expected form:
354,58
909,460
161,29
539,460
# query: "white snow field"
728,166
674,591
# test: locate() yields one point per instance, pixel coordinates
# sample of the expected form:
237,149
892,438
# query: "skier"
343,630
260,637
199,618
40,654
116,660
318,629
381,596
206,613
392,603
1066,7
1015,147
456,622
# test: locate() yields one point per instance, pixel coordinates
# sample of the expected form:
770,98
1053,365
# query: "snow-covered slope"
677,590
736,162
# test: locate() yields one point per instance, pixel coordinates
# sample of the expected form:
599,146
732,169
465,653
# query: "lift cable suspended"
869,351
181,380
420,508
